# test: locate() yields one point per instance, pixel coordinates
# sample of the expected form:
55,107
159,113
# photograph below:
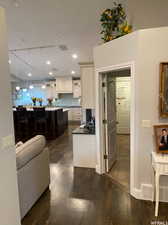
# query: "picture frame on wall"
163,92
161,138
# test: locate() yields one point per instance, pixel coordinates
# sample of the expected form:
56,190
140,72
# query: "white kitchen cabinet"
76,88
87,85
84,150
74,114
69,115
51,90
64,85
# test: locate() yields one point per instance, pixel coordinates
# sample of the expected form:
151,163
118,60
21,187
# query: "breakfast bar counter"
50,122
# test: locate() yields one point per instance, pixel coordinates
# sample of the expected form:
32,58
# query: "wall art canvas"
163,95
161,138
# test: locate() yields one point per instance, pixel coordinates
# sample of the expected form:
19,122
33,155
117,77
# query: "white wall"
153,49
9,204
124,50
119,51
146,48
147,13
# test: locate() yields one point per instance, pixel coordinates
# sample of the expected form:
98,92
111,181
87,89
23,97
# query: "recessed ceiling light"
29,74
75,56
17,88
72,72
31,86
43,86
48,62
24,89
50,73
16,3
9,61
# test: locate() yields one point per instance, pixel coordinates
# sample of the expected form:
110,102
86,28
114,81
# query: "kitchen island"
51,123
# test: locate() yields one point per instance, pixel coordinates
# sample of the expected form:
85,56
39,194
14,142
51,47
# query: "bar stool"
59,122
40,121
22,124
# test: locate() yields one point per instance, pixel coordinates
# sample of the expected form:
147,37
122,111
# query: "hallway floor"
120,172
79,196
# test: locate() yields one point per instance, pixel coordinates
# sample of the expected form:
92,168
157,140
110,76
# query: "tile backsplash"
67,100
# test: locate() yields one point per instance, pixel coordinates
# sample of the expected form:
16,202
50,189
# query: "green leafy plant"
34,99
40,100
50,100
114,23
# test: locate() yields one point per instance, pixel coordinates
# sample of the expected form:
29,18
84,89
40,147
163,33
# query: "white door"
110,120
123,91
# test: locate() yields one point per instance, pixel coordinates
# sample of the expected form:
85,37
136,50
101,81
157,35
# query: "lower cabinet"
84,150
75,114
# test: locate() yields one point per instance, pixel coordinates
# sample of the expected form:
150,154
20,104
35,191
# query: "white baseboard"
136,193
98,170
145,193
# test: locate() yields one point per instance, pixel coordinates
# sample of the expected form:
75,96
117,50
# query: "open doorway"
116,106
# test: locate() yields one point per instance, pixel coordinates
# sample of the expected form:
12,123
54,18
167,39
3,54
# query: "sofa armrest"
29,150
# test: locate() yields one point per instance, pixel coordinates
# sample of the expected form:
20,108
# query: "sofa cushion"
18,144
29,150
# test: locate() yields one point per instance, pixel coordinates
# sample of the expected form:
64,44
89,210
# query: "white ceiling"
35,23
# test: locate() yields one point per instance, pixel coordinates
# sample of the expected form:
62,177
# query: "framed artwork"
163,95
161,138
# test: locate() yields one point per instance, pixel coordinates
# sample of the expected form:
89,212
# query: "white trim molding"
100,168
137,193
147,190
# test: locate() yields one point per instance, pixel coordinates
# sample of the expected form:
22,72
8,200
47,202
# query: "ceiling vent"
54,69
63,47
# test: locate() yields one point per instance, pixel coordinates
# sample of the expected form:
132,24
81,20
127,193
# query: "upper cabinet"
76,88
51,90
87,85
64,85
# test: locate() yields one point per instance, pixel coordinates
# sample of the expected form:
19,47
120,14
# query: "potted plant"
40,100
114,23
34,99
50,100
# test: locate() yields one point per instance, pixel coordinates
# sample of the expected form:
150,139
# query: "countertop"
83,131
65,110
72,106
47,109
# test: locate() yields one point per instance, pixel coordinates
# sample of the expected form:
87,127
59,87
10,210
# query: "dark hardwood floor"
120,172
79,196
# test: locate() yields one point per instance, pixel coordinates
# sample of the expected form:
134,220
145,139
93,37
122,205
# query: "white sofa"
32,159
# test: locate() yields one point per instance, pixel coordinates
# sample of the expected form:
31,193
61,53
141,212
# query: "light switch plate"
146,123
7,141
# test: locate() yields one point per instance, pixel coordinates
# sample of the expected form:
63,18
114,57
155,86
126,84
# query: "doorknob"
117,122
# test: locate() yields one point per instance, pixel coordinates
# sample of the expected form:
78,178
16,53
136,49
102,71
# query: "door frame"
106,124
100,167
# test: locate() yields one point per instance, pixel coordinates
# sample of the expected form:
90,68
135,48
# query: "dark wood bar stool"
59,122
65,119
40,121
22,124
